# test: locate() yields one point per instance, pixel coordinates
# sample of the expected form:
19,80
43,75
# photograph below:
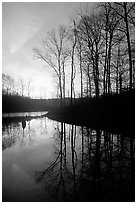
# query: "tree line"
98,46
20,87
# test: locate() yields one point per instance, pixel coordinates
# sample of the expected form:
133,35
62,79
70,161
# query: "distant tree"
29,84
4,84
8,84
22,86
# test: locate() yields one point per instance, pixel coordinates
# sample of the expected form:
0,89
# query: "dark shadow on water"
115,124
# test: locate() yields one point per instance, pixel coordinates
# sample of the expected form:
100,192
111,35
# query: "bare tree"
90,26
73,39
110,24
55,53
22,86
29,84
126,12
8,84
79,50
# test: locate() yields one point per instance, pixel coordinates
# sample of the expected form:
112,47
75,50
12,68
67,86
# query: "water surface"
54,161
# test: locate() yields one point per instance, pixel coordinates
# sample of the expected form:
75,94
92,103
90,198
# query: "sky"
24,25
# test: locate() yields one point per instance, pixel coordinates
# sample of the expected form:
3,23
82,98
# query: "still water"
54,161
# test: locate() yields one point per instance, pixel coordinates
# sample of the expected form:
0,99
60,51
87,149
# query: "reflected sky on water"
53,161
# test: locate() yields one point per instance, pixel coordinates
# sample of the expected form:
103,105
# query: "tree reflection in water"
13,133
55,176
90,165
10,134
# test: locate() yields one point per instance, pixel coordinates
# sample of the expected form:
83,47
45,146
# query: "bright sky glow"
24,25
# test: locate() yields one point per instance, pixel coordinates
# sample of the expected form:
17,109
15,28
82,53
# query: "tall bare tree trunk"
81,74
72,65
129,45
72,74
105,67
97,72
63,84
109,63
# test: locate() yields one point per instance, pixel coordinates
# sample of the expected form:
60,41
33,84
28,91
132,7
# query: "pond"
53,161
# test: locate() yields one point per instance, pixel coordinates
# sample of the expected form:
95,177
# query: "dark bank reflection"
89,165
